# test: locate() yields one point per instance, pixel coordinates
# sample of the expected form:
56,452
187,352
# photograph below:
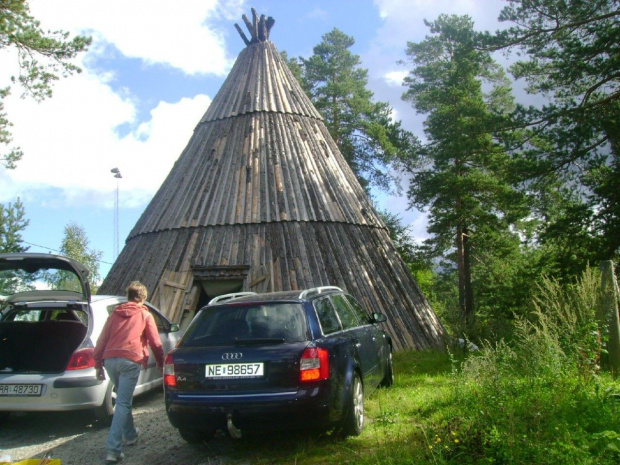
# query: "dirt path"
76,439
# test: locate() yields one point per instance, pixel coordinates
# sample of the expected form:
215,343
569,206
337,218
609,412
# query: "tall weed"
538,398
567,317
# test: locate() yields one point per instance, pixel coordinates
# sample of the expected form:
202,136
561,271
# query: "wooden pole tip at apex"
258,28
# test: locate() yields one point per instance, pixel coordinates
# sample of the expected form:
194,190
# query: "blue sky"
149,76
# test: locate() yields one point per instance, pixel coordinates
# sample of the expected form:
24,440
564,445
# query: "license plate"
20,389
235,370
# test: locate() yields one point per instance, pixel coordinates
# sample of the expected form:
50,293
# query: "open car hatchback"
47,338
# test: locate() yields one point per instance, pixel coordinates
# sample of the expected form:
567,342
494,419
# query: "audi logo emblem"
232,356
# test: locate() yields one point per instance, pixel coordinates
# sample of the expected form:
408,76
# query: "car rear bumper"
59,393
59,400
301,409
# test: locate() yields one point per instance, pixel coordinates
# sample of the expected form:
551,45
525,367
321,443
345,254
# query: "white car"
47,338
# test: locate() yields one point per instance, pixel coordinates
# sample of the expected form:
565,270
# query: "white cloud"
318,13
418,226
395,78
71,142
156,31
413,12
403,21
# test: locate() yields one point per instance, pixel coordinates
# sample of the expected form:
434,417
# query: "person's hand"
100,374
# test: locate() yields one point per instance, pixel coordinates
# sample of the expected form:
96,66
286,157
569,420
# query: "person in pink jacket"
123,348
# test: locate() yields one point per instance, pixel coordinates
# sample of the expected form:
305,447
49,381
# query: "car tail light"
314,364
81,359
169,379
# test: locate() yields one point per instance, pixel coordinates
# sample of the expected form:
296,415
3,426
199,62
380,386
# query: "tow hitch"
232,429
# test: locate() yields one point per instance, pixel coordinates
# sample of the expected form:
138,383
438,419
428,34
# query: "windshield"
246,324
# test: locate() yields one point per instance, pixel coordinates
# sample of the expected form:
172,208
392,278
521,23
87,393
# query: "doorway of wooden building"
207,289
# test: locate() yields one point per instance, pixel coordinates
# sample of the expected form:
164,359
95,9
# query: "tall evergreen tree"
464,175
370,140
570,56
12,223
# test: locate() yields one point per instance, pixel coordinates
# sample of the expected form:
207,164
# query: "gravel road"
76,439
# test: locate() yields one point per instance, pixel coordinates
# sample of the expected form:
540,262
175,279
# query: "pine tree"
569,55
370,140
12,223
464,174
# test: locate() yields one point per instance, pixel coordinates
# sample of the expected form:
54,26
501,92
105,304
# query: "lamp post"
117,174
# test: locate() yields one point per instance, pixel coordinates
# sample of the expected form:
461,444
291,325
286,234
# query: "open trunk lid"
71,276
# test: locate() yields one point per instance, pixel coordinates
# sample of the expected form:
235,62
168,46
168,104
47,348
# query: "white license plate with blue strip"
235,370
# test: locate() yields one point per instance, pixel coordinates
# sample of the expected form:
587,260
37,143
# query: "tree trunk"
466,293
608,314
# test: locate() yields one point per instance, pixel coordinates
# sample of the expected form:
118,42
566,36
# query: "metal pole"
117,175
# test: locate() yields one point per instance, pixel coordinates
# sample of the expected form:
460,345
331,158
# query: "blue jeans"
124,375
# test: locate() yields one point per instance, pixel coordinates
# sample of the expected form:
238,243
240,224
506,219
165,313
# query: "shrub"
538,398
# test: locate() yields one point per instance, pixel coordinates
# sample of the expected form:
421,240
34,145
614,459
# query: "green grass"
539,399
444,411
394,432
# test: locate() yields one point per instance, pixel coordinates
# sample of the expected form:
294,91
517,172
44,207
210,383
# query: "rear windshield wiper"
259,340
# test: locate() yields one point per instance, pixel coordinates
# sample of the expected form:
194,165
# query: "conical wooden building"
262,200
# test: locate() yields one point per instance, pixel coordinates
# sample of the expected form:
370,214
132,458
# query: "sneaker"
113,458
131,442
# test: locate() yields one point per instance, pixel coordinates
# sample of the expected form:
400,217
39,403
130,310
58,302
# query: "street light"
117,174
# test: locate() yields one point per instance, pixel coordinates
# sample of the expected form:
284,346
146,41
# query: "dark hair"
137,292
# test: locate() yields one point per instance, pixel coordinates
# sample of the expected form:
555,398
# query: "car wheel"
353,422
388,379
105,411
196,436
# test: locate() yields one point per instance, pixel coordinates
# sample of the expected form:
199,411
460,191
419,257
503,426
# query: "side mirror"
379,318
174,327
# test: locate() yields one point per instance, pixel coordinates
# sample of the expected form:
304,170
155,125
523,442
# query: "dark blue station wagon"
274,361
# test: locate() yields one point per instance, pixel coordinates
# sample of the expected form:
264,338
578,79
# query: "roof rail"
225,297
318,290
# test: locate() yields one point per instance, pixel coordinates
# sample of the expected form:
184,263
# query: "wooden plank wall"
260,81
265,167
299,255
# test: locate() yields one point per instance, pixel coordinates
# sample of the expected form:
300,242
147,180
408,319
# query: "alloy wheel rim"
358,403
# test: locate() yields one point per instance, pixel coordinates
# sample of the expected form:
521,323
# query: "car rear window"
33,314
230,324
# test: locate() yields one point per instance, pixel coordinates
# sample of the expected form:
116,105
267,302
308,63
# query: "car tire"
388,379
196,436
353,422
105,411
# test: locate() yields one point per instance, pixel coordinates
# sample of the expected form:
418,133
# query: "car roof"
100,297
281,296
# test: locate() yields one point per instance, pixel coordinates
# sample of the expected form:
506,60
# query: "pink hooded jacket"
127,331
